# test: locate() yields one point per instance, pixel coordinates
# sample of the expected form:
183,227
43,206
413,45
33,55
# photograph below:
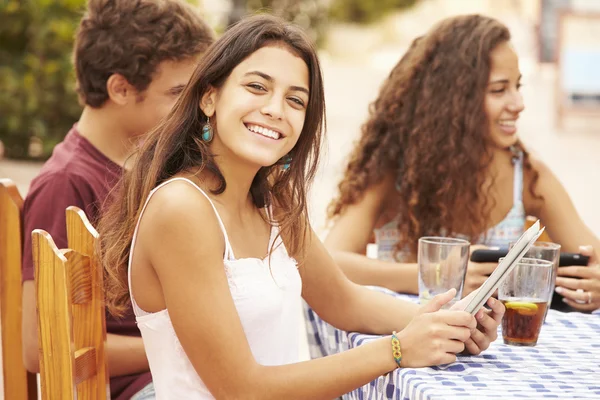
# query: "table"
565,364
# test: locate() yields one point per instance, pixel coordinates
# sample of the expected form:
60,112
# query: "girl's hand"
584,293
487,324
435,336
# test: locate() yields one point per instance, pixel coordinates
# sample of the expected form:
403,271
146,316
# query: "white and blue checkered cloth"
565,364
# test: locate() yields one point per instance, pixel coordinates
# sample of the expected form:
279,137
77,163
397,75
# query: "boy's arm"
44,208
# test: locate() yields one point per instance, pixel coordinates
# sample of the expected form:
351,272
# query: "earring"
207,131
287,160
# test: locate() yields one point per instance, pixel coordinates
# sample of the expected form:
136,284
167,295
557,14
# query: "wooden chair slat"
530,220
85,364
88,292
81,281
19,384
54,328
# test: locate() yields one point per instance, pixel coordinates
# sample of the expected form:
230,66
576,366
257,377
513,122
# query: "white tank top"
268,302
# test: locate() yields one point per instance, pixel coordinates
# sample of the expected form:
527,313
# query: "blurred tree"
38,103
38,97
311,15
238,10
364,11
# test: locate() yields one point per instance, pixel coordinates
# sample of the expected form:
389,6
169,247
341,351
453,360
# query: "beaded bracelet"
396,350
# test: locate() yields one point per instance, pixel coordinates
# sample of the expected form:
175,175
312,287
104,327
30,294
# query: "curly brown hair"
428,128
131,38
175,146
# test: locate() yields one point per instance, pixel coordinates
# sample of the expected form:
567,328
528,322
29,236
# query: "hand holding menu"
528,238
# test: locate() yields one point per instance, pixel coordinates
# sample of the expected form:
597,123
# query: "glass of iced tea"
442,266
525,293
546,251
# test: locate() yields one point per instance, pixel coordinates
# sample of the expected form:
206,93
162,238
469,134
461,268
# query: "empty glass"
442,266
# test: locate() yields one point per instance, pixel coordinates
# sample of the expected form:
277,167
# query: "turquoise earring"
287,160
207,131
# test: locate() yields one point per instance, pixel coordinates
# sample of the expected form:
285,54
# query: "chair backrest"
530,220
71,325
82,237
19,384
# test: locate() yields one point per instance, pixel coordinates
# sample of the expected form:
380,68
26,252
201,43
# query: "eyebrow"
270,79
504,80
177,88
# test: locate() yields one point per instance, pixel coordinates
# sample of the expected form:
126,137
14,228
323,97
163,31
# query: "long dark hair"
175,146
428,127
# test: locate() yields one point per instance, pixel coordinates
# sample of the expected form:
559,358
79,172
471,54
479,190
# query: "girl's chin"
505,141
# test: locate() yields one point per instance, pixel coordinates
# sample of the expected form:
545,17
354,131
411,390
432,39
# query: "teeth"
509,123
264,131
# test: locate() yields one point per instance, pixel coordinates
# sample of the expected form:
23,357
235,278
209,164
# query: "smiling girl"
209,239
440,155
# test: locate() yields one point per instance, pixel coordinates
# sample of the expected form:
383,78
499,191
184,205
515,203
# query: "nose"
516,104
273,107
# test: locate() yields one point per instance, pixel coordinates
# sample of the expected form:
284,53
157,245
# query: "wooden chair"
71,324
19,384
530,220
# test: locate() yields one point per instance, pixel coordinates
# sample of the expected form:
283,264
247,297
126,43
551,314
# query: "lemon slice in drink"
522,307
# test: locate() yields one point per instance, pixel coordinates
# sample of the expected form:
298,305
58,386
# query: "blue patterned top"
506,231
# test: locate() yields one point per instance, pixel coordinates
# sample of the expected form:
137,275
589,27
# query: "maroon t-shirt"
77,174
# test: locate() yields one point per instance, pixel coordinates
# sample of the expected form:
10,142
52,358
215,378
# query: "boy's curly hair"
131,38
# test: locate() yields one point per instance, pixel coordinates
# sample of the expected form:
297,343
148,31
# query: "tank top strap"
518,177
228,254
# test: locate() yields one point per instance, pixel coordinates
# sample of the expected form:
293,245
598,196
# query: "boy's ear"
119,90
208,101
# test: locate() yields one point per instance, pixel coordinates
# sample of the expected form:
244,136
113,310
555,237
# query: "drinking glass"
525,293
550,252
442,266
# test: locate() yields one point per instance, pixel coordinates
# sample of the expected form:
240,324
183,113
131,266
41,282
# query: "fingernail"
565,300
558,289
492,301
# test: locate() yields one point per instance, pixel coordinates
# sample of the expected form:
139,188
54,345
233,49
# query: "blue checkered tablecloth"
565,364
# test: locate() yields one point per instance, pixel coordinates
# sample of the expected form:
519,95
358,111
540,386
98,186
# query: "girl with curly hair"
209,240
439,155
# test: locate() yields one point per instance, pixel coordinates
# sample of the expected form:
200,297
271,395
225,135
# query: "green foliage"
38,96
311,15
364,11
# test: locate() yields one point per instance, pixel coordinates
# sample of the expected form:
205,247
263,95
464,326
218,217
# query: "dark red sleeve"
44,208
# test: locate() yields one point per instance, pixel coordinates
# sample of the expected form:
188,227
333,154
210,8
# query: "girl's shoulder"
537,170
179,213
538,181
178,197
